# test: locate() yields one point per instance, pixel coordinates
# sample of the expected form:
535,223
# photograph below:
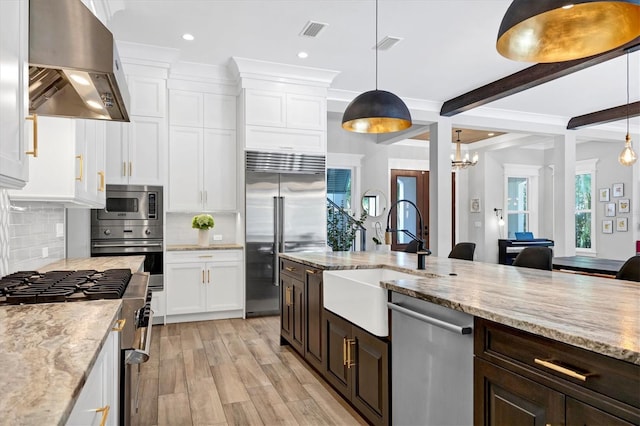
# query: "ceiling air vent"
388,42
312,29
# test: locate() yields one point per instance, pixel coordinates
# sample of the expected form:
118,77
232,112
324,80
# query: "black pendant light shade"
376,111
562,30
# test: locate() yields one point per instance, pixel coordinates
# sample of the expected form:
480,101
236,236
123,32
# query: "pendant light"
563,30
457,162
376,111
627,157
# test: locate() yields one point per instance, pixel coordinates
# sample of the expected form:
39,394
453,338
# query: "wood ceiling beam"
528,78
604,116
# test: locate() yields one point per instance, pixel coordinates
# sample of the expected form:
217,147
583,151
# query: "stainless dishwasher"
432,364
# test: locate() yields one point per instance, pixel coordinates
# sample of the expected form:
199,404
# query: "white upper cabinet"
196,109
70,165
202,152
281,121
14,49
135,151
148,96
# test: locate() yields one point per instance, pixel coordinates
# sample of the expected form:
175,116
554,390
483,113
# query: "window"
339,187
521,205
585,216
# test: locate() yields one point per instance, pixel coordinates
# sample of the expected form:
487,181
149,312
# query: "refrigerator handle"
282,236
276,241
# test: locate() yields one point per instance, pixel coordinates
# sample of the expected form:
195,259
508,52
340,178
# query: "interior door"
412,185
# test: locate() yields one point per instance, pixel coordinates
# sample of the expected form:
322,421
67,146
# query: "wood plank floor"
233,372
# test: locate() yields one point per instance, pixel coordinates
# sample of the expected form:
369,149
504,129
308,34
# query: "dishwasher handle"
430,320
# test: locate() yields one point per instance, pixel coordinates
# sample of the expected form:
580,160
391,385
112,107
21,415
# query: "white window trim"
589,167
533,174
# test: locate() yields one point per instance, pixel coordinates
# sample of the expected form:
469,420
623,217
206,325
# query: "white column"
440,187
564,202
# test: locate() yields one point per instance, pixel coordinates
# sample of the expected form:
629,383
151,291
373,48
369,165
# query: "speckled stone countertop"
190,247
47,351
135,263
598,314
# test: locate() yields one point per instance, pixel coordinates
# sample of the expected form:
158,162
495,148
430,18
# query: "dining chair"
630,270
535,257
463,251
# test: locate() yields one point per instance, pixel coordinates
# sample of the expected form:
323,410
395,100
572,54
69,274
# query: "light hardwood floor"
233,372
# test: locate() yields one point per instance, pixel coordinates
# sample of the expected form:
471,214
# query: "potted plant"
342,228
203,223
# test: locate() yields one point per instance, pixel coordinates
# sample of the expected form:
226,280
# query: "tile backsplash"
179,230
36,234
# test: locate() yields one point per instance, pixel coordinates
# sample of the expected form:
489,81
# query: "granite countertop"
598,314
135,263
214,246
43,370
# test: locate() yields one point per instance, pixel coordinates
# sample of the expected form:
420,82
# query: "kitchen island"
595,320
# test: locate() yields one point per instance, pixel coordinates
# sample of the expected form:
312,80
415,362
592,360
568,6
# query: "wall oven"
131,224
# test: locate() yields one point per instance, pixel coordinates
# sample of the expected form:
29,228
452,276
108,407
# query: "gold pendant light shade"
555,31
376,111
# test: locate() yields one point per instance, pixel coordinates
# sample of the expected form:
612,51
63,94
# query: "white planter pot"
203,237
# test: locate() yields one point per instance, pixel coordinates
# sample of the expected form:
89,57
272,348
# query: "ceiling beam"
528,78
604,116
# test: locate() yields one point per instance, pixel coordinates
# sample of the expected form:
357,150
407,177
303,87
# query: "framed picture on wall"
621,224
603,194
623,205
610,209
474,207
607,227
618,189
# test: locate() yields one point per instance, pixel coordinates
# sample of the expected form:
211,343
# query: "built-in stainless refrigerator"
285,211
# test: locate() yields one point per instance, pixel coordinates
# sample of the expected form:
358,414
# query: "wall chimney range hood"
74,68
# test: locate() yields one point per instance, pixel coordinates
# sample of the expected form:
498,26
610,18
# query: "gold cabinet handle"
81,160
560,369
105,413
290,269
203,276
208,275
34,119
287,296
206,256
344,351
119,325
311,271
350,362
130,168
101,186
124,168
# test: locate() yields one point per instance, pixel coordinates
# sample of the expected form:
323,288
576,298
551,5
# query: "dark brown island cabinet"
353,361
522,378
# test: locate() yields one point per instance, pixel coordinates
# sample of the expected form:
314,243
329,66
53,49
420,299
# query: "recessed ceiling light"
303,55
188,37
490,134
567,6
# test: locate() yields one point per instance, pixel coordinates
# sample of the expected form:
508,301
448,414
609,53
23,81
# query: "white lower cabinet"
207,284
98,403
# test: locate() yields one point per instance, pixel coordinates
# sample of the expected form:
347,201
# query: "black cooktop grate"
60,286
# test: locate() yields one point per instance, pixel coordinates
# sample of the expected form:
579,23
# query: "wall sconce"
499,216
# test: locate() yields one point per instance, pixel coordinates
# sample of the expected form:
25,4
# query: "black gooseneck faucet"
422,252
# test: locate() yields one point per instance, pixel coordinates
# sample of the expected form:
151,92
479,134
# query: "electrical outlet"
217,237
478,224
45,252
59,230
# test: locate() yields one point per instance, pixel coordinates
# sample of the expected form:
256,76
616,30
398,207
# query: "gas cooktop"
63,286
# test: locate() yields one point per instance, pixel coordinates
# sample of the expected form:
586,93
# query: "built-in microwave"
132,203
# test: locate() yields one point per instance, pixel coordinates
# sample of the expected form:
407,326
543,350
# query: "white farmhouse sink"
357,296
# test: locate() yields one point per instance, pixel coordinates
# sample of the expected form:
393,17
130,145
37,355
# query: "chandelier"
457,162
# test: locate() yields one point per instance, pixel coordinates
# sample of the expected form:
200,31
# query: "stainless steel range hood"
74,68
